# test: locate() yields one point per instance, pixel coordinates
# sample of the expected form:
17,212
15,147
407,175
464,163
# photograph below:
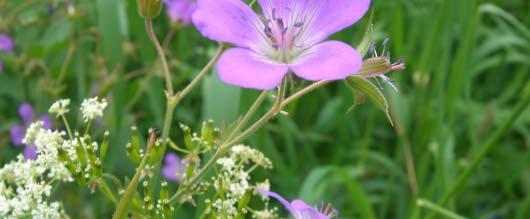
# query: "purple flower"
298,208
289,36
18,132
6,44
174,168
180,11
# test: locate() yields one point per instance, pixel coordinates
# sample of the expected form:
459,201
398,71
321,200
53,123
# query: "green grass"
468,63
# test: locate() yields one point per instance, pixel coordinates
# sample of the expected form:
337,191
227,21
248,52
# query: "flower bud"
378,66
149,8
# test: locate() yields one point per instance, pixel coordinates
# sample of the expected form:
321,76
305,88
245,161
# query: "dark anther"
279,21
268,31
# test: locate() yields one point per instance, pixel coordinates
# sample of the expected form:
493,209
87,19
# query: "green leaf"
57,32
221,101
366,87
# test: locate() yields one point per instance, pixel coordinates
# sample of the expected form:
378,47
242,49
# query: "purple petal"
180,10
338,14
47,121
241,67
173,169
324,17
172,158
6,43
330,60
17,132
229,21
303,210
170,173
26,112
282,200
30,152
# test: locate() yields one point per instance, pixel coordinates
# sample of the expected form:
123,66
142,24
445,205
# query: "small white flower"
31,132
263,186
226,163
60,107
93,108
265,214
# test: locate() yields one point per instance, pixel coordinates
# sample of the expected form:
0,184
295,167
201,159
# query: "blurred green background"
467,64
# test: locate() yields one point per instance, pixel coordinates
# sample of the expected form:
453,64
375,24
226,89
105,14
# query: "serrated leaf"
366,87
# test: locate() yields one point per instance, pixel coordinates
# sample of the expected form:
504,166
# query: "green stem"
105,189
248,115
303,92
203,72
263,120
128,195
67,61
89,124
161,54
65,121
486,147
435,208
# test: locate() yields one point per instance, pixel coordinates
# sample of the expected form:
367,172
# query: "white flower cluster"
60,107
234,180
48,142
247,154
92,108
24,190
265,214
25,185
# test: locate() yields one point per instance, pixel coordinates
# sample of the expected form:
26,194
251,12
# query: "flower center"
284,31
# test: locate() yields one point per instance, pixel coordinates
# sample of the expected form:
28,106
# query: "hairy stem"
161,54
249,114
253,128
128,195
204,71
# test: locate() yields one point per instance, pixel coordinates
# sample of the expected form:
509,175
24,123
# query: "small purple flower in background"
299,209
174,168
180,11
289,36
6,45
27,114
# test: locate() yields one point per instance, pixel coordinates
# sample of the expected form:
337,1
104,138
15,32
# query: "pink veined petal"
282,200
229,21
330,60
300,208
337,15
241,67
323,17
